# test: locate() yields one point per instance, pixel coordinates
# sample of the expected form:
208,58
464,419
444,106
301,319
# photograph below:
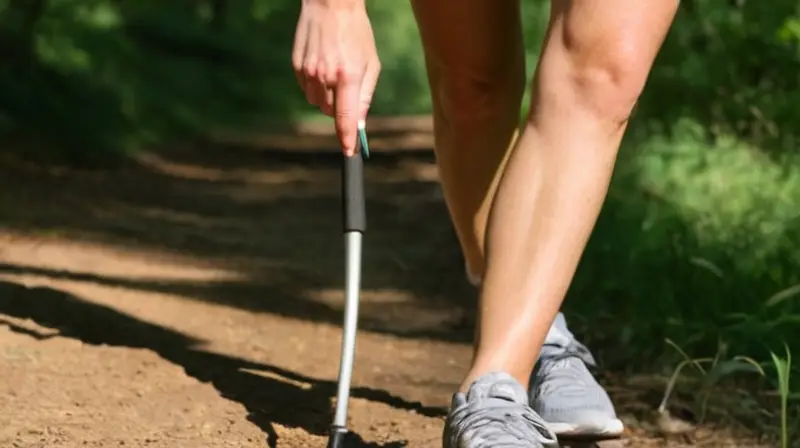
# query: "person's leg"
564,392
475,59
593,67
476,73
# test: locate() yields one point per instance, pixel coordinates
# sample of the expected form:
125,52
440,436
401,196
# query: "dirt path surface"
194,300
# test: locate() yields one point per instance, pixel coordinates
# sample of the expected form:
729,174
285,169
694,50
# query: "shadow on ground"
267,400
274,219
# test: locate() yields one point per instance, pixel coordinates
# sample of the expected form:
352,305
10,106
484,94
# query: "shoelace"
500,423
557,370
574,350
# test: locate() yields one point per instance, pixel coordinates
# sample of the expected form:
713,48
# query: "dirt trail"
194,300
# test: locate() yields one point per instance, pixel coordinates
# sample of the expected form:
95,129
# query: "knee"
603,79
475,96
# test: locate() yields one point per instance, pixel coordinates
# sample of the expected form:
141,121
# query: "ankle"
476,373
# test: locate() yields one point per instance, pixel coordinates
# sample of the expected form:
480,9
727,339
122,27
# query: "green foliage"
403,86
699,240
731,66
783,369
114,75
720,368
192,66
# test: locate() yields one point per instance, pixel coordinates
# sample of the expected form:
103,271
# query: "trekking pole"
354,223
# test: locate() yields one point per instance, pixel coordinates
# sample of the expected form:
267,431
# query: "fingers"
368,86
327,68
338,74
299,49
347,97
326,77
315,93
320,96
327,106
305,61
314,73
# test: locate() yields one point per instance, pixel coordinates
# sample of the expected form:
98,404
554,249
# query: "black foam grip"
354,214
337,434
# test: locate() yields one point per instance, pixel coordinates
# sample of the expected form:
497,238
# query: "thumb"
346,110
368,87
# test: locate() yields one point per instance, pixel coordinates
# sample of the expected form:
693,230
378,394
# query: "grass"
704,387
783,369
720,369
698,243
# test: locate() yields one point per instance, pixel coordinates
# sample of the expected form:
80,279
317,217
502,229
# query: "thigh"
476,39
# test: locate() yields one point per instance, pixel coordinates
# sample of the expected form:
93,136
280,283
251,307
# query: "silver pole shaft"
352,286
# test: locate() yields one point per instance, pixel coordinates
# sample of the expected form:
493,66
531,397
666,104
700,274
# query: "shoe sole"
610,429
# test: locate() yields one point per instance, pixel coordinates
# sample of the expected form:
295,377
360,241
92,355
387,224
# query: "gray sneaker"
495,413
567,396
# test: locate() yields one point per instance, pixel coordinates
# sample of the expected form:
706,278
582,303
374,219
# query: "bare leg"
475,60
594,65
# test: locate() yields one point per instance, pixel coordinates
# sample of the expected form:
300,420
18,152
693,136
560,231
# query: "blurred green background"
699,241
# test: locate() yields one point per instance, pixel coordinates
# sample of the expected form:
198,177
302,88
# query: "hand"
336,62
